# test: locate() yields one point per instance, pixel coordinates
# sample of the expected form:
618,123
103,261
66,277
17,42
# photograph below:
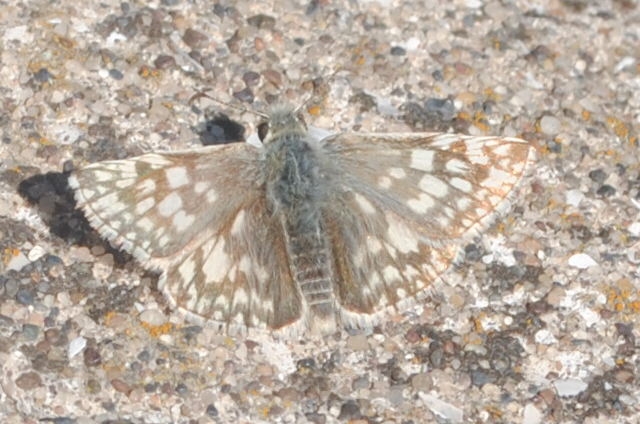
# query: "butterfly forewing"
406,201
198,216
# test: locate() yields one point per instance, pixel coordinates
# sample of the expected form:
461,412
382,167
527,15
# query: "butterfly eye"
263,130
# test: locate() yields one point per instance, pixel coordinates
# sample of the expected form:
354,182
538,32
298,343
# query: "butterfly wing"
181,213
404,204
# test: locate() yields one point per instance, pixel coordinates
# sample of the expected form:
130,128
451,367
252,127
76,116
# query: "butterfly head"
283,120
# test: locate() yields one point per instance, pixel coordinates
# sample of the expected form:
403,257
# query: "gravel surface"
537,322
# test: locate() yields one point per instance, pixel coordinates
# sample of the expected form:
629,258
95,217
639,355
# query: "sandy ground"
537,322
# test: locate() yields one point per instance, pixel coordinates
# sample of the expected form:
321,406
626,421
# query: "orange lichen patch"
464,116
265,410
34,67
477,324
148,72
500,227
480,121
9,253
64,42
537,126
109,316
620,128
494,411
314,110
623,297
157,330
490,94
586,115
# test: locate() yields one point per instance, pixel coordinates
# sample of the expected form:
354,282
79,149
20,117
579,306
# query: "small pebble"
121,386
25,296
582,261
91,357
164,61
531,415
195,39
606,191
550,125
29,380
398,51
569,387
598,176
36,253
76,346
358,342
153,317
442,409
17,261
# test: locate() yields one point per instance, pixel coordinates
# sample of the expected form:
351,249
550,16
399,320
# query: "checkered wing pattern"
406,204
200,218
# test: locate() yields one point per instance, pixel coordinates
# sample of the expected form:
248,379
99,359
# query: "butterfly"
299,234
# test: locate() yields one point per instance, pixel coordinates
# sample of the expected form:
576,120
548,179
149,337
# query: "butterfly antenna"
202,93
304,103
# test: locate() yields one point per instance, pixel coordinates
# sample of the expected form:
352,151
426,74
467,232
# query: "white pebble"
153,317
569,387
550,125
76,346
531,414
574,197
582,261
441,408
17,262
36,253
634,229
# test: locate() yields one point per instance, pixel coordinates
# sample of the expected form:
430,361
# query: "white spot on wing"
125,183
384,182
422,160
177,176
397,173
457,166
144,205
422,204
433,185
497,178
374,245
217,264
187,270
181,221
400,236
461,184
391,274
200,187
238,223
211,196
240,298
145,224
503,150
364,204
147,186
171,204
102,176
